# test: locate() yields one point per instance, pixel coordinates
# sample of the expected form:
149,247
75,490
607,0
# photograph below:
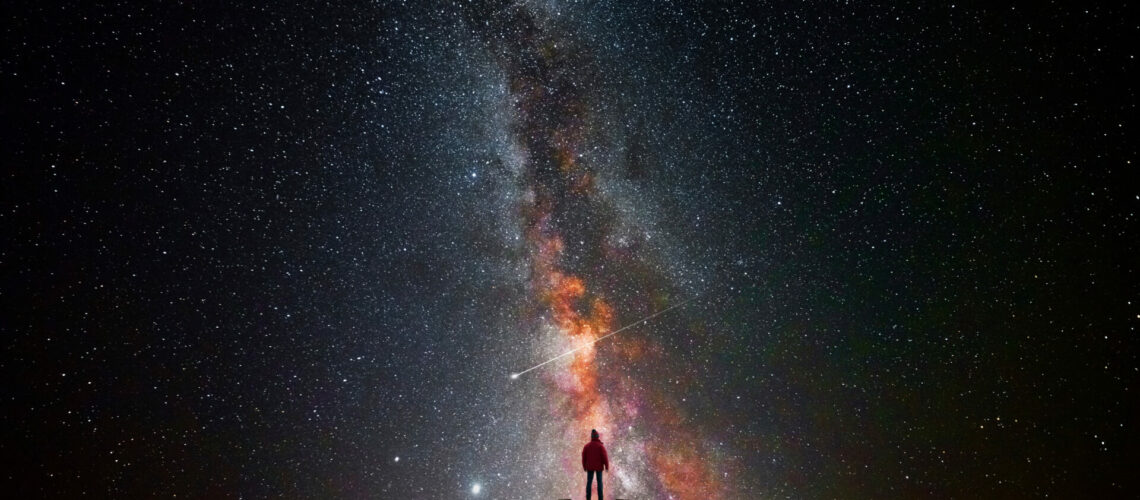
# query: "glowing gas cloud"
516,375
583,281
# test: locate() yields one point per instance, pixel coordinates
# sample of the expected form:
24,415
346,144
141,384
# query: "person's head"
593,434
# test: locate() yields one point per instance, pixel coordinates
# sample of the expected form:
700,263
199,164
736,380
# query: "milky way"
260,251
584,280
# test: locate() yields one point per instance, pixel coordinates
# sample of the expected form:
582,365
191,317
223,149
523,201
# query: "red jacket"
594,456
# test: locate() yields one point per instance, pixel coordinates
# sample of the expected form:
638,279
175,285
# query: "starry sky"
862,250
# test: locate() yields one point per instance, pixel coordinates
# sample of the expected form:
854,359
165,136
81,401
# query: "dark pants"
589,478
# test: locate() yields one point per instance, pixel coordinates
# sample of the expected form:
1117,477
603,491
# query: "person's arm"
605,458
583,458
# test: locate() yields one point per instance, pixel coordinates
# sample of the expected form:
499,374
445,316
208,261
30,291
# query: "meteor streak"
515,376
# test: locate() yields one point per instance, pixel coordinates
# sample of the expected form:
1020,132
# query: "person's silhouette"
594,460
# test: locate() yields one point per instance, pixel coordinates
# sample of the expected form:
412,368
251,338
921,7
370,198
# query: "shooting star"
516,375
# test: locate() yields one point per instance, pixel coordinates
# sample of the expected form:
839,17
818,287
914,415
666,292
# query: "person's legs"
600,496
590,479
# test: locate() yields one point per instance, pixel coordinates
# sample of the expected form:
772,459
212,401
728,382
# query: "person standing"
594,461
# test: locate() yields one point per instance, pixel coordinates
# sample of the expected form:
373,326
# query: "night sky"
276,251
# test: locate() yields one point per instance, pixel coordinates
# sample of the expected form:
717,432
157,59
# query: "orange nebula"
548,79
